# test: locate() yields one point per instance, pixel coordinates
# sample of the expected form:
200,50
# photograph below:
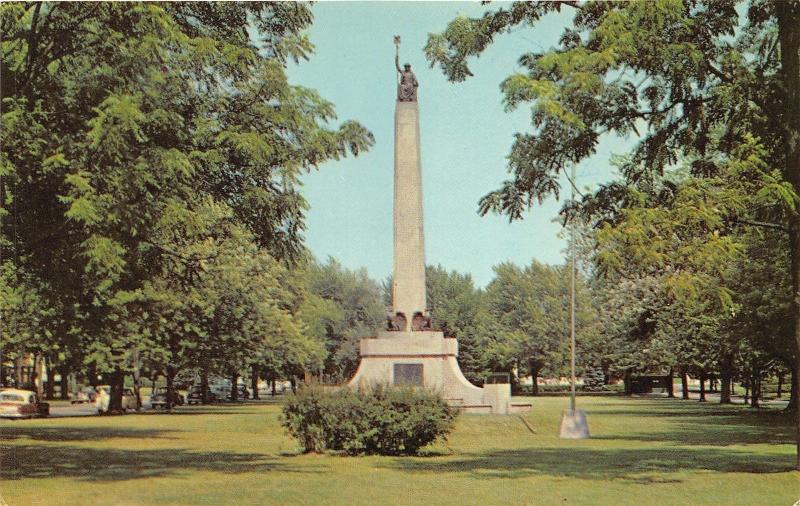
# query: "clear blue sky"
466,136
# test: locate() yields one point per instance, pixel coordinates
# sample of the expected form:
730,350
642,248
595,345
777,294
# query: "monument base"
574,425
428,359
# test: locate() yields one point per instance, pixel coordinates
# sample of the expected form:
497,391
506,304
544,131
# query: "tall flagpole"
573,421
572,300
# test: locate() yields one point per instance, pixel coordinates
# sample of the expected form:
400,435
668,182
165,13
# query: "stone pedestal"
426,359
498,396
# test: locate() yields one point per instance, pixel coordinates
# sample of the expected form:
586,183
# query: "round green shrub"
381,420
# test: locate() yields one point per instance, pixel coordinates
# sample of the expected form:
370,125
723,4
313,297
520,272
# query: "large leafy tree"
228,310
117,115
684,232
343,307
671,71
530,308
457,309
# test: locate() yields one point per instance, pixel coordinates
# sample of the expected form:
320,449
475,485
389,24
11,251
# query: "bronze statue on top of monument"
407,87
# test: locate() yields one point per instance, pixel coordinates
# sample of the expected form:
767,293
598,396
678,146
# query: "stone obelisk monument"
408,287
410,352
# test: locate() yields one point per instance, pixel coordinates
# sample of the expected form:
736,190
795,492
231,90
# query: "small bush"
594,380
382,420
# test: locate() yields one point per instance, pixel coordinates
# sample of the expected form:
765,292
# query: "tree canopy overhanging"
697,83
144,146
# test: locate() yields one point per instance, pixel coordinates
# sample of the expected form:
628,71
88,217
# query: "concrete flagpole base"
574,424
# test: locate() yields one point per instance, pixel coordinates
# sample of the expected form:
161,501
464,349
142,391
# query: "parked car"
85,394
21,404
159,398
221,389
243,393
280,388
195,395
129,400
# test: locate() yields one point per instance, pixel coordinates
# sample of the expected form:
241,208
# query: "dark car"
195,396
159,398
243,393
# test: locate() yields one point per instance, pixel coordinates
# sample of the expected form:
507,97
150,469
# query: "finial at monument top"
407,87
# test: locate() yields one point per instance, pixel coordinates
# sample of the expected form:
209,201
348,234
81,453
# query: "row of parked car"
216,393
158,399
17,403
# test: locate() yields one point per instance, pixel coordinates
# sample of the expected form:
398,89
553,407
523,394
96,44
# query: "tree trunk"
234,387
91,370
534,378
117,380
725,388
780,385
204,385
788,14
670,385
627,381
18,372
50,391
684,385
746,393
273,388
170,386
755,394
38,377
702,386
254,382
137,379
794,399
63,371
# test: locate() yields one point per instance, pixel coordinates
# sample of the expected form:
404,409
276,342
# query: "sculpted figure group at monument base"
407,88
419,323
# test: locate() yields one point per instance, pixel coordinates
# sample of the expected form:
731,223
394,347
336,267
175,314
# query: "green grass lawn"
642,451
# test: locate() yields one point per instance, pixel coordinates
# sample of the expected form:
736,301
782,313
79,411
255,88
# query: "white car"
103,399
21,404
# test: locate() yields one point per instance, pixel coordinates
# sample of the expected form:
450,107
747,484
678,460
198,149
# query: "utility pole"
573,421
572,301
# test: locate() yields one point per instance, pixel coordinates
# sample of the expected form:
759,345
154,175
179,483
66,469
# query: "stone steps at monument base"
519,407
477,409
514,407
458,402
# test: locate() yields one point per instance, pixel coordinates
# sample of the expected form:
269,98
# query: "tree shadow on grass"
77,433
90,464
651,465
710,425
197,411
664,407
723,431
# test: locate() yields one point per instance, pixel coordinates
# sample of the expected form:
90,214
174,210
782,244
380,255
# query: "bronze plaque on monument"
408,374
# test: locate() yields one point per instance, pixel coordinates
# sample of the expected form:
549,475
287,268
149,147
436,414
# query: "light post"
573,421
